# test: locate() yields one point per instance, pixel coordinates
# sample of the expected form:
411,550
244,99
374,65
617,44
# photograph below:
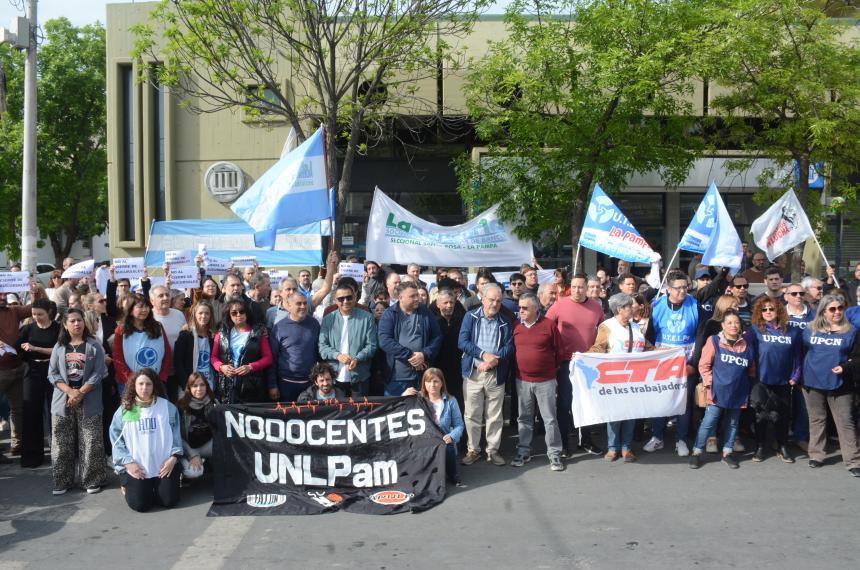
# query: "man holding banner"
674,320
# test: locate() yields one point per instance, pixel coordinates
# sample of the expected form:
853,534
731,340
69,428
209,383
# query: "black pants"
36,390
142,494
779,419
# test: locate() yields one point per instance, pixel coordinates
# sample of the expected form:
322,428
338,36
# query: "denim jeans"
682,427
709,427
800,418
451,463
619,432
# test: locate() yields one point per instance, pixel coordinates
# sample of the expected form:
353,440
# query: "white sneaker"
653,445
711,446
682,449
738,447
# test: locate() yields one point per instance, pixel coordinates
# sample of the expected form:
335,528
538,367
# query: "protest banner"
184,277
216,266
379,456
276,276
396,235
128,267
628,386
179,257
607,230
79,270
244,260
354,270
14,281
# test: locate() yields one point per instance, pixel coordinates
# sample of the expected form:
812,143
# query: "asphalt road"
655,513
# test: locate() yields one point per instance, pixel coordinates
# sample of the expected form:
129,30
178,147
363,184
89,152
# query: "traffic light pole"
29,228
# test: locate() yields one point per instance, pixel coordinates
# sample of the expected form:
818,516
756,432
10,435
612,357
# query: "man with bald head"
294,350
172,321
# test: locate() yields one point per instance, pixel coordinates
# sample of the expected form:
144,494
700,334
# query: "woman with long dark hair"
76,370
194,407
146,443
830,362
240,356
140,342
35,344
778,349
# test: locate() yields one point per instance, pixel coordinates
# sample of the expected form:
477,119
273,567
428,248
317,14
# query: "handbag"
701,395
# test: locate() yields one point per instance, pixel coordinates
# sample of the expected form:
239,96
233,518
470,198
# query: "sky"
81,12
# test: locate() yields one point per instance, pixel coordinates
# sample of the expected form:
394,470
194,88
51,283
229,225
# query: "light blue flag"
607,230
701,228
725,248
292,193
234,238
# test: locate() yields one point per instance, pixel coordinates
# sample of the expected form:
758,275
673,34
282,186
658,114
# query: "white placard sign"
80,269
354,270
216,266
14,281
185,277
128,267
179,257
244,261
276,276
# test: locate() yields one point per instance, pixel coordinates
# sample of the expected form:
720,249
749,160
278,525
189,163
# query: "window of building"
127,85
269,103
158,165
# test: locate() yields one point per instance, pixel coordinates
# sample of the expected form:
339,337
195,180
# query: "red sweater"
538,350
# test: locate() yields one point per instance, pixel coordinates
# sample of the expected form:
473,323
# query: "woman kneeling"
147,443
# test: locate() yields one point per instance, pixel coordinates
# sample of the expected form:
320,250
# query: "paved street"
656,513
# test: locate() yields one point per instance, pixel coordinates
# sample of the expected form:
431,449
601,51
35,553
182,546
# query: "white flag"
724,249
781,227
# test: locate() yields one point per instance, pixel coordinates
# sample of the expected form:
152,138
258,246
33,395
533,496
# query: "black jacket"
183,356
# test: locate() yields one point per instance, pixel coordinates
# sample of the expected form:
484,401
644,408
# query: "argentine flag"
292,193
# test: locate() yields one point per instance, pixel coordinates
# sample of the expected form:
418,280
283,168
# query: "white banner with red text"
615,387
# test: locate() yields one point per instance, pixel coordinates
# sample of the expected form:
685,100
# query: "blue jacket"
466,343
389,333
450,420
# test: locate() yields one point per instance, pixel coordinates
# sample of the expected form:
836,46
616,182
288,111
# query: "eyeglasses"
524,307
745,286
819,287
838,309
679,288
345,298
768,310
795,293
236,313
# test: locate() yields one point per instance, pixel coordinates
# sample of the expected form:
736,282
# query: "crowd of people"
128,378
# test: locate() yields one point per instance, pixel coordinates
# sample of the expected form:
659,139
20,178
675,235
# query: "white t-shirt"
343,375
172,322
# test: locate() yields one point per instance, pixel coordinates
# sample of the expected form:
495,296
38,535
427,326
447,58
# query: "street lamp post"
28,183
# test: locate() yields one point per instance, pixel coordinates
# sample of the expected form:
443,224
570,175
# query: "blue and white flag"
724,249
292,193
701,228
224,239
607,230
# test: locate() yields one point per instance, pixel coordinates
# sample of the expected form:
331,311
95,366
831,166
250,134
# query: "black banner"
380,456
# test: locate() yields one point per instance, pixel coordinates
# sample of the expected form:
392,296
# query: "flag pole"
575,261
826,263
668,268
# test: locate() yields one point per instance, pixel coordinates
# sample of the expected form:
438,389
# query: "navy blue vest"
775,354
730,385
824,351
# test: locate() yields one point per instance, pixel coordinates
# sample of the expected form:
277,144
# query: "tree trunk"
803,197
577,215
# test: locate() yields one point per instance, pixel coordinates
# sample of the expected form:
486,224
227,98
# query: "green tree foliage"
344,64
581,92
72,163
795,66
